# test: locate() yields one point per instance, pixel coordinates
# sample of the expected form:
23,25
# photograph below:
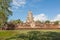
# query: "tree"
47,21
56,22
5,5
38,21
17,21
5,12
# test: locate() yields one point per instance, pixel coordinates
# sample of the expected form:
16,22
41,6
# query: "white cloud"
57,18
41,17
19,3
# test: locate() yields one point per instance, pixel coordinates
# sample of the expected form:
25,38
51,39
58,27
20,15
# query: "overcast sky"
42,9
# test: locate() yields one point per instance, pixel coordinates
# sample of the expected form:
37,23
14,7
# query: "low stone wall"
44,26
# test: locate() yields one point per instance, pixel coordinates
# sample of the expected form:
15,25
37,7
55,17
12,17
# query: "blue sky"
41,9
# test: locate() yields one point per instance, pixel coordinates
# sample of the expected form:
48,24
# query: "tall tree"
5,10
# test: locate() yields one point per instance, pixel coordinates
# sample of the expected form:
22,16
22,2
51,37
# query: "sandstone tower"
30,19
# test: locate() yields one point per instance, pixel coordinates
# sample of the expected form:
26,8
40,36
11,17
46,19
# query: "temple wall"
38,26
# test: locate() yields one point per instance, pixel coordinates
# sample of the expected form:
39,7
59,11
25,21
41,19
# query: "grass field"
10,33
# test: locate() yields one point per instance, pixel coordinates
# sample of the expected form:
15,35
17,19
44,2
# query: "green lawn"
10,33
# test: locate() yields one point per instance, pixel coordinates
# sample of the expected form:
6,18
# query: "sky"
41,9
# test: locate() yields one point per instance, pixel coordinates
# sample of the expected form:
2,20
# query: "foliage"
37,35
17,21
4,11
47,21
7,33
56,22
38,21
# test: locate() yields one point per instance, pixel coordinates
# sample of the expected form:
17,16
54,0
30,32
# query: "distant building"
31,24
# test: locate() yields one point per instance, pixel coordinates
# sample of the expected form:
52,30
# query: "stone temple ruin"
30,19
31,24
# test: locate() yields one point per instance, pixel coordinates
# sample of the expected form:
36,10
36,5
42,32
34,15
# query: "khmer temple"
31,24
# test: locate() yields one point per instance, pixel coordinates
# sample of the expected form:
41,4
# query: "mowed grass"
10,33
